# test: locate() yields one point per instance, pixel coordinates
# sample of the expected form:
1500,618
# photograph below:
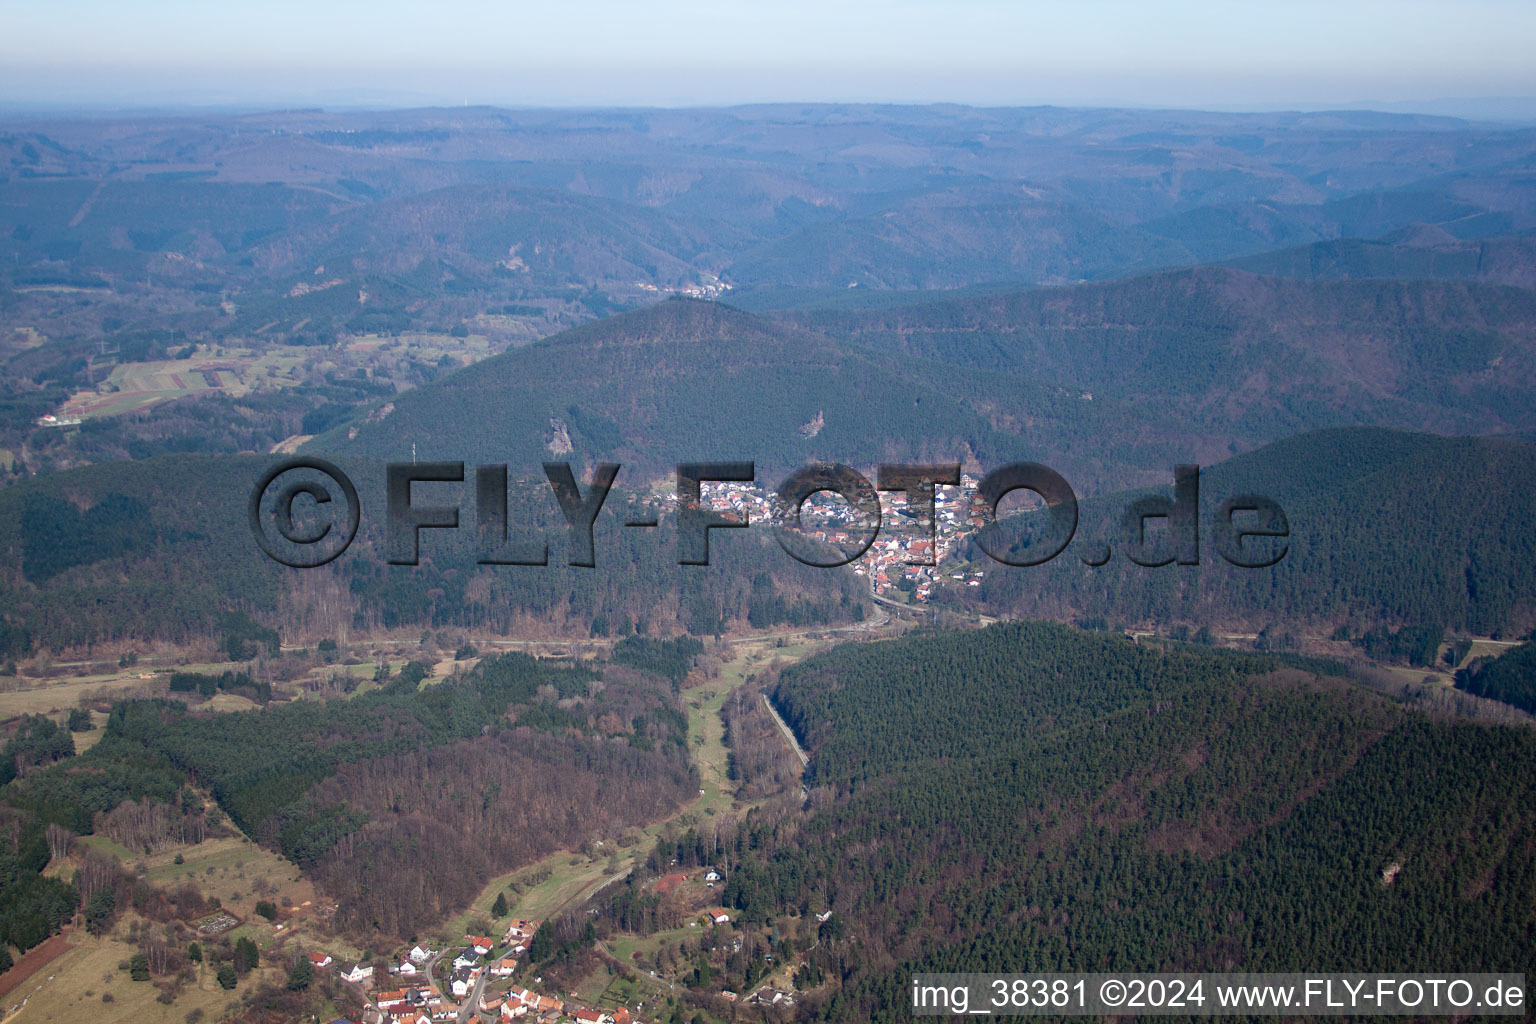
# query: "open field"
56,695
235,870
228,702
1419,674
86,740
567,882
72,988
32,961
238,370
105,845
42,697
706,744
624,991
238,873
626,946
133,386
592,987
22,338
1488,649
425,345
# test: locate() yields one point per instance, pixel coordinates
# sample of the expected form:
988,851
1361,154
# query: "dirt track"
34,960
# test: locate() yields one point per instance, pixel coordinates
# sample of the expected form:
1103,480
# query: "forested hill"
1237,353
1418,253
1108,383
1511,678
1387,528
685,381
1028,796
354,790
127,554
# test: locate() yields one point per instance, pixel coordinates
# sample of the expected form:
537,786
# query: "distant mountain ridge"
1420,253
1112,382
1241,354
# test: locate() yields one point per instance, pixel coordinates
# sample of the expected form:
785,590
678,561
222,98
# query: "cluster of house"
765,996
421,1002
417,1000
358,973
734,502
771,997
520,1004
474,960
415,1004
50,420
905,536
527,1005
708,288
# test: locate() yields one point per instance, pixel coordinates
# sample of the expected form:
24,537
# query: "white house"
420,954
407,969
463,980
357,973
712,875
466,958
520,929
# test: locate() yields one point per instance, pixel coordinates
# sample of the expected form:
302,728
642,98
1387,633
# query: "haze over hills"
879,196
1422,253
294,249
1186,366
1240,355
756,788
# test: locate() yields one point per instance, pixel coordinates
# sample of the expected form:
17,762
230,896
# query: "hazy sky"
1234,54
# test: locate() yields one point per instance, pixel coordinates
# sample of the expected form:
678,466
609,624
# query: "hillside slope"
1239,354
1031,795
685,381
1385,527
129,554
1423,253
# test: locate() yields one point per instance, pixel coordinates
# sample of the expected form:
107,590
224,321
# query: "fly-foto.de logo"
304,512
